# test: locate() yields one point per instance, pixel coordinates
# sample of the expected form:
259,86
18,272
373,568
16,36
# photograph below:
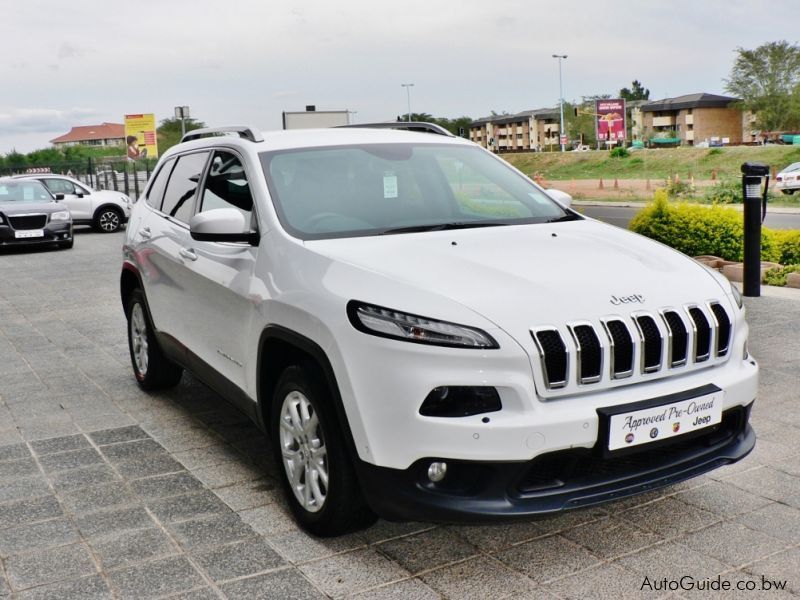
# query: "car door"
220,276
77,199
173,306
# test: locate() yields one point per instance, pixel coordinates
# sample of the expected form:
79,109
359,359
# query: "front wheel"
152,369
108,220
317,473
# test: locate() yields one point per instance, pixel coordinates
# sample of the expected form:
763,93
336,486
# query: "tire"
313,452
788,192
108,219
153,371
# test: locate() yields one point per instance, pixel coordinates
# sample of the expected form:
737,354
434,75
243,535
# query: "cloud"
42,120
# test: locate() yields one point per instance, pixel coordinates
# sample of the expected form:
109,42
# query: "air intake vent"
679,338
554,356
702,334
723,328
621,349
590,354
651,343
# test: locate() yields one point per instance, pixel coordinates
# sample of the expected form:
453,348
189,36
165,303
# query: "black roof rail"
248,133
420,126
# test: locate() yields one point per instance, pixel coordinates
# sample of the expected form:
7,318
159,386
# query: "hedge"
717,230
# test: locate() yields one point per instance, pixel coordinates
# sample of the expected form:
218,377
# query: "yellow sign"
140,136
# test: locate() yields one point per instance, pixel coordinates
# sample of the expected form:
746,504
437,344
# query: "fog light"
460,401
437,471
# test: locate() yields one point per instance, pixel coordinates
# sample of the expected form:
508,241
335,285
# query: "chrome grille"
28,221
642,344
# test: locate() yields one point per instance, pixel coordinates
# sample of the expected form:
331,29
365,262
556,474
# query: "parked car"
105,210
788,180
424,332
30,214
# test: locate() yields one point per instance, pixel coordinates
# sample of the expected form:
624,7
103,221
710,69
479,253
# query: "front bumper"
57,232
474,491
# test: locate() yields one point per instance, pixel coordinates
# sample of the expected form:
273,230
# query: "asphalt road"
621,216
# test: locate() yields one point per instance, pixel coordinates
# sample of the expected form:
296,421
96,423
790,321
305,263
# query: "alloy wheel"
109,221
138,330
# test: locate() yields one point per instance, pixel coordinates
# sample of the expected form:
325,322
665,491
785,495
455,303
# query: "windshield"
27,190
377,189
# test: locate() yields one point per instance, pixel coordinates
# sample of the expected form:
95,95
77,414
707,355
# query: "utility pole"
408,87
561,98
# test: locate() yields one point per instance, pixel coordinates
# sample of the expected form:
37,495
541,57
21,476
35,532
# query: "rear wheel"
316,471
108,220
152,369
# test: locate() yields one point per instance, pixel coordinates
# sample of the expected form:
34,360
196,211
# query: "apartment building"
521,132
694,118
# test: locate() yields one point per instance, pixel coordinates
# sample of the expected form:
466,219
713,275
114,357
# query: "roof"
701,100
538,113
84,133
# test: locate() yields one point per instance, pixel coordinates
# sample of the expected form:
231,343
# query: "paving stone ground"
109,492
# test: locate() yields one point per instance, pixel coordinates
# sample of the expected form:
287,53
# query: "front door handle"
188,254
145,233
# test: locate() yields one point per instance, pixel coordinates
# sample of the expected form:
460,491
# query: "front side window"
396,188
226,185
155,194
182,187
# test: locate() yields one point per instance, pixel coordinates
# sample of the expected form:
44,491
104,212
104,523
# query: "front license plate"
663,422
29,233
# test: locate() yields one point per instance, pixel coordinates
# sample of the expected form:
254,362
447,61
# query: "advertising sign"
140,136
610,123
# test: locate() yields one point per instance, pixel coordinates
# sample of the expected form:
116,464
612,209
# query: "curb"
778,210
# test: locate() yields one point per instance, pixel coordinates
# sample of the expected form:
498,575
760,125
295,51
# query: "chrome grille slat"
702,334
589,358
678,341
554,355
621,348
723,327
652,342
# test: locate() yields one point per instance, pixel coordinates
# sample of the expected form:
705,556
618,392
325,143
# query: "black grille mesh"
623,346
28,222
680,337
652,343
723,329
591,353
555,356
702,335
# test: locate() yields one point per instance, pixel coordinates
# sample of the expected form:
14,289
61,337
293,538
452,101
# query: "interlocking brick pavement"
110,492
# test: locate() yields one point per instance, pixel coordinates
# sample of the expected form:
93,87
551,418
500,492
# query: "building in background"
105,134
311,118
521,132
689,120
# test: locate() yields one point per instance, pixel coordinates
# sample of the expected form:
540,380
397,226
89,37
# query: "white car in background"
788,180
105,210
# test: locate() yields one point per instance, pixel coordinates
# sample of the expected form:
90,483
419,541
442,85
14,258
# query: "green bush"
777,276
694,230
620,152
714,151
787,246
677,188
726,191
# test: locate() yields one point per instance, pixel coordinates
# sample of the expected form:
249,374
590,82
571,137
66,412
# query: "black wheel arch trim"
314,350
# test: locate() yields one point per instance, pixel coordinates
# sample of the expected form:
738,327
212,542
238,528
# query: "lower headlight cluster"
61,215
386,322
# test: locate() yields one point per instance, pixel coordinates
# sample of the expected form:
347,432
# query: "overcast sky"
83,62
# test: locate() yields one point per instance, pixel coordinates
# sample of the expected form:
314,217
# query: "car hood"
526,276
16,208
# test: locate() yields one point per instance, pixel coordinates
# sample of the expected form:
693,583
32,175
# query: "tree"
767,80
636,92
169,131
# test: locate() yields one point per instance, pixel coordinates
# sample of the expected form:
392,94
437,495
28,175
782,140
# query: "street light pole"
408,87
561,98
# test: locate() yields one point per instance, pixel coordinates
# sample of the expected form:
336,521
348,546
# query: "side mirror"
563,198
221,225
58,196
78,192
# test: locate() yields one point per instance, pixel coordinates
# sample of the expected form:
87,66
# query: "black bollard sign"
752,175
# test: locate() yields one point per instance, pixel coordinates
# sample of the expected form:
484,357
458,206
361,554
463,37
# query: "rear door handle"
188,254
145,233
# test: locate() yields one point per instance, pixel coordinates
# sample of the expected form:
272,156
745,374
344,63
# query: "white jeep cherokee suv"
424,333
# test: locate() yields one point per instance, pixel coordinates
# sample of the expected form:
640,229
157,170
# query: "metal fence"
129,177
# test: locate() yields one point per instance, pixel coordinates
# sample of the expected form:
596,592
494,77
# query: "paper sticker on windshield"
27,193
389,185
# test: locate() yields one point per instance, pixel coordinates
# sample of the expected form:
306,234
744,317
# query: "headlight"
737,295
125,200
385,322
61,215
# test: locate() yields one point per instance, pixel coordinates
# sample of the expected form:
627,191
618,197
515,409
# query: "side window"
227,186
156,192
182,187
58,186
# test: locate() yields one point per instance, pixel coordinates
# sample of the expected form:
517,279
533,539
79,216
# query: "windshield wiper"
444,226
568,217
